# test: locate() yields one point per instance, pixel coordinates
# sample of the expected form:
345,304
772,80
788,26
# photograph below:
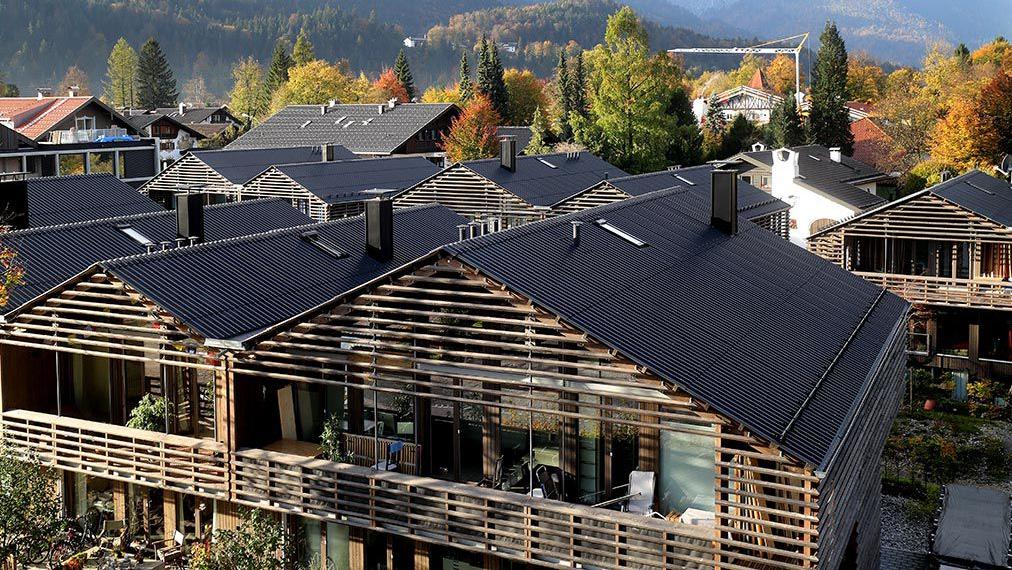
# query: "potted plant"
331,445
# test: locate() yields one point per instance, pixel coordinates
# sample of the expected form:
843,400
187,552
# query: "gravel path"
901,531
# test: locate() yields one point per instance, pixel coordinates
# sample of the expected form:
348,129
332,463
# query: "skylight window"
324,244
604,225
304,125
813,157
546,163
340,119
348,124
984,190
685,180
134,234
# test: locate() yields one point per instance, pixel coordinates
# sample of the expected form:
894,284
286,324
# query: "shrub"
149,414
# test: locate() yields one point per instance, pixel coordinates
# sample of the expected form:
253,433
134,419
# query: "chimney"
944,175
785,160
381,108
835,154
43,92
391,103
72,90
724,201
182,108
190,217
327,152
508,153
461,232
379,228
323,109
576,232
14,204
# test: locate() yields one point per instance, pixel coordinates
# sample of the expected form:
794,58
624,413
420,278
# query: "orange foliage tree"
780,74
391,87
472,134
865,81
961,138
13,274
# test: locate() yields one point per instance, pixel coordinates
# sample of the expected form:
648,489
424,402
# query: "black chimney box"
14,204
508,153
379,228
724,201
190,216
327,152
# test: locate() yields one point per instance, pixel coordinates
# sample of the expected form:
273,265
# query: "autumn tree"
465,86
303,52
907,114
76,79
995,108
30,510
248,99
391,87
781,74
120,87
473,134
281,63
316,82
828,120
525,93
866,81
403,74
156,86
434,94
195,90
974,133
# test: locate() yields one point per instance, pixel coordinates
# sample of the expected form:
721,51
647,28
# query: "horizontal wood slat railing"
944,291
191,465
364,448
468,517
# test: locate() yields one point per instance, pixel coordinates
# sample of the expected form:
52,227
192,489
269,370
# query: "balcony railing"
945,290
471,518
85,135
196,466
364,449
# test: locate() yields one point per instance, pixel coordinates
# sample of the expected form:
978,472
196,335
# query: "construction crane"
764,48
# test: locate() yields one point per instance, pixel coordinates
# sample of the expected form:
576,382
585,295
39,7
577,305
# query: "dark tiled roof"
748,324
251,283
981,194
349,180
360,127
539,184
51,255
752,202
840,191
239,166
142,120
189,114
68,199
522,135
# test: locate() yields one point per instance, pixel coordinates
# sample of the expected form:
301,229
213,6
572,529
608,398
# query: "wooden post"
422,552
490,433
170,500
492,562
390,551
119,500
356,549
225,516
650,441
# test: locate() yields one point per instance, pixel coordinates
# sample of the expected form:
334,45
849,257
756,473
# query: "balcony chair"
113,535
641,494
496,482
549,482
171,551
393,453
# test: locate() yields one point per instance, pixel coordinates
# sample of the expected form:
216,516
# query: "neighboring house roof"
871,144
239,166
234,299
821,173
34,117
544,180
766,333
752,202
759,81
11,139
209,129
352,180
976,191
767,98
362,128
53,254
142,121
192,114
68,199
521,134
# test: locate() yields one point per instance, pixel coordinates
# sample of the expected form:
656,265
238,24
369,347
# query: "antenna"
765,47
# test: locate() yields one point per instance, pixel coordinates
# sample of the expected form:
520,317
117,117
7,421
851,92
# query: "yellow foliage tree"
316,82
865,81
526,94
961,138
780,73
435,94
992,52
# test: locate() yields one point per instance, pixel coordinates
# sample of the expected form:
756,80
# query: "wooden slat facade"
273,183
471,195
187,172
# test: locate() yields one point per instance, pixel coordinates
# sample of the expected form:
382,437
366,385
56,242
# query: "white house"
414,41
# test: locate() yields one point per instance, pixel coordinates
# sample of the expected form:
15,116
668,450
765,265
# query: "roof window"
324,244
304,125
604,225
134,234
685,180
546,163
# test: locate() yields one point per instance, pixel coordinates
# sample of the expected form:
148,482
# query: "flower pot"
929,405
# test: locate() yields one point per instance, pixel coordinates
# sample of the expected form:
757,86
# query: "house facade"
486,415
947,250
174,138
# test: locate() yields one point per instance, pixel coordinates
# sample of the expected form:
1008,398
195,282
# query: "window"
101,162
621,233
84,123
71,164
765,182
324,244
687,470
134,234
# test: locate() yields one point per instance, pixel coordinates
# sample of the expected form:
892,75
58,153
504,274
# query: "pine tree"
156,87
714,121
403,74
303,51
828,121
539,135
578,83
466,88
121,76
484,83
281,62
563,92
498,93
963,53
785,126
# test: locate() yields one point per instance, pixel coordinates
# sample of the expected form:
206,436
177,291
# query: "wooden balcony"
945,291
194,466
364,449
538,531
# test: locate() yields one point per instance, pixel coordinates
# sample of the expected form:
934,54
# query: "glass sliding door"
687,469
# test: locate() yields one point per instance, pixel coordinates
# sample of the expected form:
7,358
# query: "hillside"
203,38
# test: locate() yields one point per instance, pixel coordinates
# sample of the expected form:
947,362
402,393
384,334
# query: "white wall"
806,206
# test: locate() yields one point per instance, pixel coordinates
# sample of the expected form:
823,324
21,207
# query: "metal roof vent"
945,175
576,232
604,225
685,180
758,147
546,163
